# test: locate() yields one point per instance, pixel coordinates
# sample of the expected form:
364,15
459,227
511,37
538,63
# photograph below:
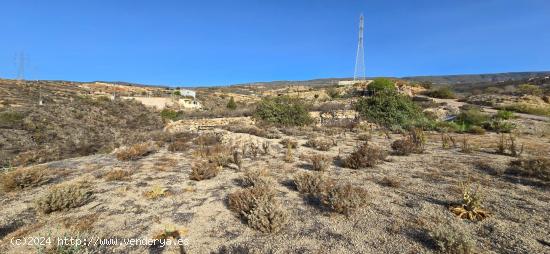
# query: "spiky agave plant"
471,205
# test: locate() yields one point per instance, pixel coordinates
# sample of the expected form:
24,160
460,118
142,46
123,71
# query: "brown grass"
321,144
203,170
287,141
258,177
136,151
22,178
537,167
117,175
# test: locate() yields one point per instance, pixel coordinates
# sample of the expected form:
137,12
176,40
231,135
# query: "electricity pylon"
359,73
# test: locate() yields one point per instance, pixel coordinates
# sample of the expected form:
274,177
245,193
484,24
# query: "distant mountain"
478,78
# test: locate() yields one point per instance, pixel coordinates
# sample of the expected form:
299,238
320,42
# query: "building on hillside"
187,93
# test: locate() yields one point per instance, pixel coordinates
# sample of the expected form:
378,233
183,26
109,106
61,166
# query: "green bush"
528,109
381,84
10,118
283,110
529,89
500,126
504,114
231,104
442,93
169,114
472,117
392,110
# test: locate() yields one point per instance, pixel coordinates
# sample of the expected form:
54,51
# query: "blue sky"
224,42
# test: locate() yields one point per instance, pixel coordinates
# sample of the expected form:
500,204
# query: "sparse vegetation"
22,178
63,197
365,155
452,239
536,167
441,93
470,208
321,144
345,198
259,208
156,192
289,142
136,151
203,170
258,177
413,143
319,162
117,175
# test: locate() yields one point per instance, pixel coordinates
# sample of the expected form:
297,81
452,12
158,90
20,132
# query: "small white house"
187,93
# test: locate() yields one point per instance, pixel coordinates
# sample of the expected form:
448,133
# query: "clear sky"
224,42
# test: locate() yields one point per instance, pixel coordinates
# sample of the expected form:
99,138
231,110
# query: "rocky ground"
408,196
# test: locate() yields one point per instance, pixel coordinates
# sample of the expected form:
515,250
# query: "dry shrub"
253,130
510,145
259,208
258,177
345,198
365,156
471,205
238,159
319,162
117,175
465,145
267,216
22,178
313,184
289,142
447,140
156,192
63,197
204,170
321,144
390,182
289,156
413,143
136,151
537,167
179,146
364,137
208,139
81,224
452,239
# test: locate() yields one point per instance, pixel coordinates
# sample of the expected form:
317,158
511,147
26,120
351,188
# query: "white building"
187,93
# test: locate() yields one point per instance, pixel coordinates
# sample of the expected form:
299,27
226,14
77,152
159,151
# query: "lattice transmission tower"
359,73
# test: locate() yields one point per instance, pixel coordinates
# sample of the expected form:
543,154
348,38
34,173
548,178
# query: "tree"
231,104
283,110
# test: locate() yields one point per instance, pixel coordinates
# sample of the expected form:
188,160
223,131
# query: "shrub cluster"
365,156
136,151
283,110
321,144
22,178
259,208
392,110
340,198
537,167
203,170
441,93
63,197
